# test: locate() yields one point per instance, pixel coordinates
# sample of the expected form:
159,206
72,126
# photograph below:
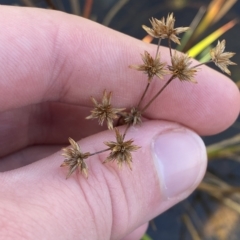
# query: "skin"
50,65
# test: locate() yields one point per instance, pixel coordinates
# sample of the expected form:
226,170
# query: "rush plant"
180,68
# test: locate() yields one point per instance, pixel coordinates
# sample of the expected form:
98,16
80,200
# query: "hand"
50,65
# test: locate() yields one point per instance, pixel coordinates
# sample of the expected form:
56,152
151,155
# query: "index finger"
51,56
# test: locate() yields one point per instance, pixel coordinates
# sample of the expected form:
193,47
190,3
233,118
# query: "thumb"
37,201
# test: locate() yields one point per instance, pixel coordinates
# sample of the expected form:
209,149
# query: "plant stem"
125,132
100,152
157,94
159,42
143,95
200,64
169,45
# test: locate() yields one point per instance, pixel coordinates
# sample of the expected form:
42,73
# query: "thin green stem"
100,152
157,94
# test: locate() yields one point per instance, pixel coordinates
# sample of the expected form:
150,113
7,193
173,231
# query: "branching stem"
157,94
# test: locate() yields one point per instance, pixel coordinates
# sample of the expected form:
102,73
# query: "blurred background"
212,212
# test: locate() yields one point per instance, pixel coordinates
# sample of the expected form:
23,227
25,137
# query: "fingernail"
180,157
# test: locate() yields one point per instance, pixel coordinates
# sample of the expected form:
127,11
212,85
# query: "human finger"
46,123
137,233
111,203
68,59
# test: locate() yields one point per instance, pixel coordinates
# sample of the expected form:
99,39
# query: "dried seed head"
104,111
74,159
133,118
181,68
152,67
120,150
165,29
221,58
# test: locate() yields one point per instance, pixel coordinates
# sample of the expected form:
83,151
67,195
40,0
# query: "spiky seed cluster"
133,117
221,58
152,67
121,150
181,68
165,29
74,159
104,111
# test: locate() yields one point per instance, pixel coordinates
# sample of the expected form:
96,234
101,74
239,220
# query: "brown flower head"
133,117
181,68
152,67
104,111
221,58
165,29
120,150
74,159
